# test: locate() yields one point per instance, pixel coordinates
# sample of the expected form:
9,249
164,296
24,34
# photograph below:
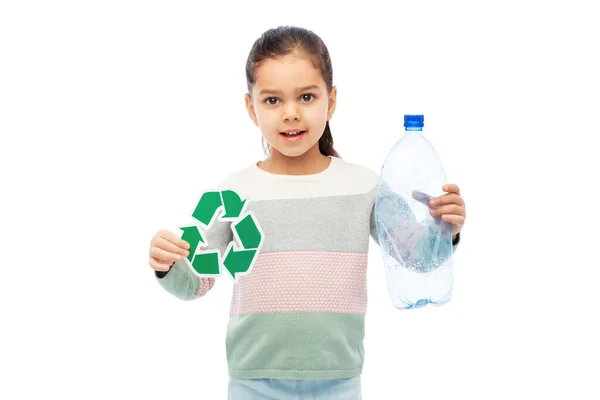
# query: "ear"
250,108
332,103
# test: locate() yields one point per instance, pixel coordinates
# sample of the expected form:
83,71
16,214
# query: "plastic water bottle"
416,247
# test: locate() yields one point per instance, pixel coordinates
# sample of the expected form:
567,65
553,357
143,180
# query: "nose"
291,113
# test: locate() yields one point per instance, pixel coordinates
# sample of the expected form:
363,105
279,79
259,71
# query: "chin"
297,150
292,152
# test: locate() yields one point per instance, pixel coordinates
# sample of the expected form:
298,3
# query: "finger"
451,198
164,255
173,238
170,247
452,209
451,188
157,265
457,220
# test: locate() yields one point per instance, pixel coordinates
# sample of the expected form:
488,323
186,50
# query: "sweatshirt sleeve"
184,284
373,229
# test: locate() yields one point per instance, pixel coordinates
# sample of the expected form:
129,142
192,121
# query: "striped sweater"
300,312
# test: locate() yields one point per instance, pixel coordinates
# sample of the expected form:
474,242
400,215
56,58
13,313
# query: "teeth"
292,133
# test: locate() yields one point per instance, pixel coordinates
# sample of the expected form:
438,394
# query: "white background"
116,115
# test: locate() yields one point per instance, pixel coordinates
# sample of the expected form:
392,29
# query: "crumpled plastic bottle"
416,247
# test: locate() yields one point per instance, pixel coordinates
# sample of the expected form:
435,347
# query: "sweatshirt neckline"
307,177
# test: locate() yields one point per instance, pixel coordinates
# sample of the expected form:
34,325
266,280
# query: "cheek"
316,115
316,112
261,114
265,111
267,119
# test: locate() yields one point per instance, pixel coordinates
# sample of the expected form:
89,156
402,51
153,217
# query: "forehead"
287,73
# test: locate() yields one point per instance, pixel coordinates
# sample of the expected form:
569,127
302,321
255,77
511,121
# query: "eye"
271,100
307,97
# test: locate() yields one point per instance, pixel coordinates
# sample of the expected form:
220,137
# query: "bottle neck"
413,131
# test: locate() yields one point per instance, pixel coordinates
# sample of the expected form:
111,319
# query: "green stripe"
295,345
180,282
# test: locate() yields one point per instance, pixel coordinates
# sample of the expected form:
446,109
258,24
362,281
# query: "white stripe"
340,178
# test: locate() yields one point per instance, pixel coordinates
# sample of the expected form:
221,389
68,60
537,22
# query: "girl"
296,323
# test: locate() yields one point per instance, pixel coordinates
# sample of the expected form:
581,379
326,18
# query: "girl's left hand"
451,207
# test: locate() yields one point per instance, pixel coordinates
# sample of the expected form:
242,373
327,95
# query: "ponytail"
326,143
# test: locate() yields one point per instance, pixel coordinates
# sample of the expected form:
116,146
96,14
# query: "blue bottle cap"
413,121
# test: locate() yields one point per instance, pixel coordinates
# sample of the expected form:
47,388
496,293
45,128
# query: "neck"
311,162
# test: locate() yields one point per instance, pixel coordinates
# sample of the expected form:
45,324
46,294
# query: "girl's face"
290,104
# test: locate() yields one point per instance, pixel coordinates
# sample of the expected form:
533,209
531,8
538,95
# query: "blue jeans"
293,389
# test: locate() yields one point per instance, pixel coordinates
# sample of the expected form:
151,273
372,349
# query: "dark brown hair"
284,40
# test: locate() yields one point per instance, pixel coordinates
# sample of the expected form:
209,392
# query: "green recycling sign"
237,260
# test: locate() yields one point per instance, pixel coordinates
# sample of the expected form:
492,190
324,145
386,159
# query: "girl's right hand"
165,249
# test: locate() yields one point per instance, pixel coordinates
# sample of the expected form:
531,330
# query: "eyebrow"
302,89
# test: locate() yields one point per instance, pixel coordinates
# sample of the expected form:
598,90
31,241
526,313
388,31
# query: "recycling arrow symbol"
225,205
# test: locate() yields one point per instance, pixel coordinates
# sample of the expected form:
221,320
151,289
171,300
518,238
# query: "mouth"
292,134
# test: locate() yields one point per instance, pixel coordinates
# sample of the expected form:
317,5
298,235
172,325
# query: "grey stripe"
333,223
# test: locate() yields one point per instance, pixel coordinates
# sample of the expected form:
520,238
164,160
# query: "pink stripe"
303,281
205,285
